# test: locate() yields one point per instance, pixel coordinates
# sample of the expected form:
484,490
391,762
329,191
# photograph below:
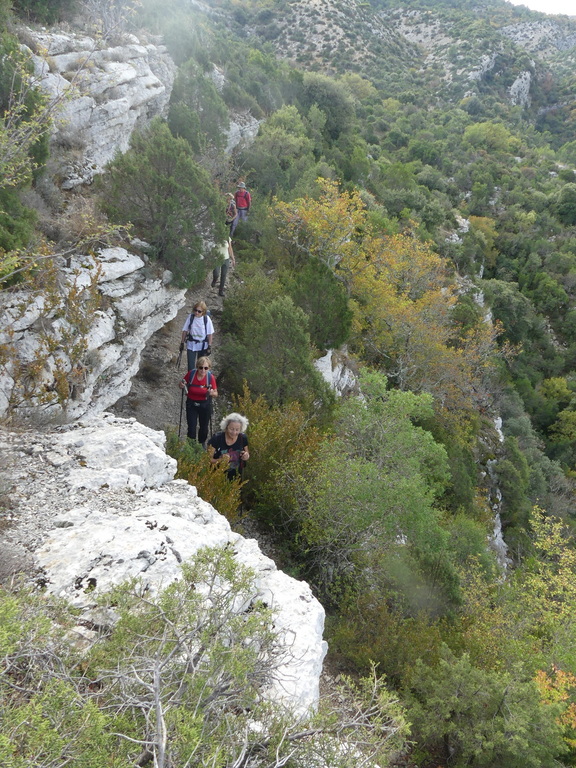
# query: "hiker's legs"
223,273
199,354
215,276
203,422
191,357
234,225
191,418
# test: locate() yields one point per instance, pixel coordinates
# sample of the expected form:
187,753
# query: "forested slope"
414,187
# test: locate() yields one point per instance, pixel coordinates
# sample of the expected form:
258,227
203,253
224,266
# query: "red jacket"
197,390
242,199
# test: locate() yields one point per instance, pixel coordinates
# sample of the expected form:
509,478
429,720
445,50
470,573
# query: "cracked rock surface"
87,506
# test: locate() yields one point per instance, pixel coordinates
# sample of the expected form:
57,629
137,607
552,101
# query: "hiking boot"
220,293
214,283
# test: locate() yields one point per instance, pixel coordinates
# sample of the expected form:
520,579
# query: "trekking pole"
211,431
181,407
179,360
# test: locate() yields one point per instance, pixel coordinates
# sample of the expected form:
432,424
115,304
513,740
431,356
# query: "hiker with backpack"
200,386
197,333
231,213
220,272
243,201
231,444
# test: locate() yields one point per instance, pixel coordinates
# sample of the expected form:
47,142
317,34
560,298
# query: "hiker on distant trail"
231,213
243,201
231,444
197,333
227,254
201,387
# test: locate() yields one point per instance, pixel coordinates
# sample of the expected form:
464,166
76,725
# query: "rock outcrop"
242,130
134,304
106,92
335,370
95,504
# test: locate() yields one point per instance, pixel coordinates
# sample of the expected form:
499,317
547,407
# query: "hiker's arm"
209,337
211,452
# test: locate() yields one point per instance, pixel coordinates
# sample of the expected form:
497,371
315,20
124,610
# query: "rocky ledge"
106,92
88,506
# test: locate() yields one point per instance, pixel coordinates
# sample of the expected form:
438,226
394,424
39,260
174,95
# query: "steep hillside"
438,52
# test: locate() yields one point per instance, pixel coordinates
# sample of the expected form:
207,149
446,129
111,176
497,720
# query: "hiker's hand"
244,455
213,392
181,346
207,350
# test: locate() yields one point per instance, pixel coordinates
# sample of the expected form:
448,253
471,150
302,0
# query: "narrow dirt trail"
155,398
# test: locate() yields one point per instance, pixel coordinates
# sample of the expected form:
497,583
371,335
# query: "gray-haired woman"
232,443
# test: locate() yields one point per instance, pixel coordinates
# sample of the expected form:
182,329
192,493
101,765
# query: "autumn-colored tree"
328,228
402,294
283,442
483,229
530,617
558,688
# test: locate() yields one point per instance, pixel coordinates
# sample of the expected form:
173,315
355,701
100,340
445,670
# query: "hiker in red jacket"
243,200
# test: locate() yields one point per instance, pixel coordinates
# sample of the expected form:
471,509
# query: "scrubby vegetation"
411,208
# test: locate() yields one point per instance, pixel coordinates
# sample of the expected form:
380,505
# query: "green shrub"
16,221
465,716
197,111
271,350
329,319
169,198
26,117
176,680
45,11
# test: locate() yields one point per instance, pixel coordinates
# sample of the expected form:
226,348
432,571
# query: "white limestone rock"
142,524
546,38
336,373
113,456
520,89
111,92
242,130
112,264
139,305
19,311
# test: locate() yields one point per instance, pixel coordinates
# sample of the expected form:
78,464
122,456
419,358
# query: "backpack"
231,212
241,194
205,339
209,376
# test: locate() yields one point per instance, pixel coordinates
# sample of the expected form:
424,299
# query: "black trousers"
221,272
198,416
193,356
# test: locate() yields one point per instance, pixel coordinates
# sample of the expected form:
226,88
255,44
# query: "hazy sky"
549,6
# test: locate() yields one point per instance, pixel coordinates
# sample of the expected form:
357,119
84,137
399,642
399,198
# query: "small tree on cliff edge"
158,186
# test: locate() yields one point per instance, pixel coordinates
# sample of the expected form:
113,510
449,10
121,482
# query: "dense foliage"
168,197
419,208
176,681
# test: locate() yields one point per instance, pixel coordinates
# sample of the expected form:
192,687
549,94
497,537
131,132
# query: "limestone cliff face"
95,504
134,304
108,93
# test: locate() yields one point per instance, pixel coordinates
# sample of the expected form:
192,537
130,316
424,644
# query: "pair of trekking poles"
185,389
